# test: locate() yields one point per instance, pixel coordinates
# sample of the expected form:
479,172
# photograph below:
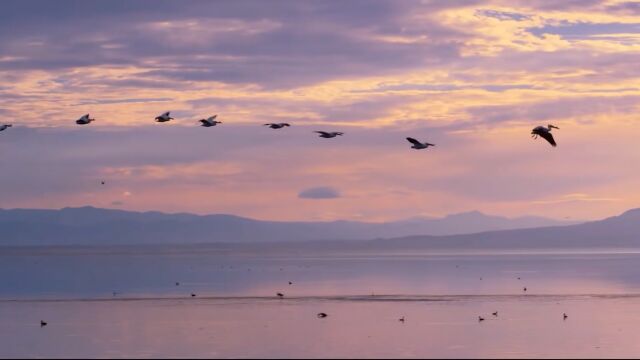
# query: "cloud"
319,193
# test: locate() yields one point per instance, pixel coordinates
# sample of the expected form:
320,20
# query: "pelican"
211,121
5,127
85,120
277,125
328,135
545,133
418,145
565,316
480,318
164,117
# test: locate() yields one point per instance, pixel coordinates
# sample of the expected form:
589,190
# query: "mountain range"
104,227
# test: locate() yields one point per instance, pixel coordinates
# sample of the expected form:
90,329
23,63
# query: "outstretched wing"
547,136
414,141
212,118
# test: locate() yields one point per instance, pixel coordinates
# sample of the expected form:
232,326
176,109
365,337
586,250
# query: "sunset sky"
473,77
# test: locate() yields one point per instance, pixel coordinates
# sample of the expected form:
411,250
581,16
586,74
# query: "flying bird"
209,122
164,117
328,135
277,125
85,120
545,133
5,127
418,145
322,315
280,295
43,323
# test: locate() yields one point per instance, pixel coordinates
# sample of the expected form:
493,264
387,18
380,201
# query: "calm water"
236,314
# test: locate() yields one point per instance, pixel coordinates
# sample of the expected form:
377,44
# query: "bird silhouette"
85,120
545,133
418,145
277,125
209,122
328,135
164,117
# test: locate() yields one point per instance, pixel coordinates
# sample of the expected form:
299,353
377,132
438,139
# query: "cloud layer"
471,76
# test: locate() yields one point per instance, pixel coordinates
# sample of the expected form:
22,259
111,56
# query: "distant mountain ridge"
621,232
94,226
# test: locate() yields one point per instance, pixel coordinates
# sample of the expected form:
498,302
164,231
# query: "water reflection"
132,274
440,297
525,327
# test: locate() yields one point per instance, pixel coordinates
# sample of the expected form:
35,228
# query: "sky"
473,77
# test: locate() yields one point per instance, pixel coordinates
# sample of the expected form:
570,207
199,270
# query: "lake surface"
236,313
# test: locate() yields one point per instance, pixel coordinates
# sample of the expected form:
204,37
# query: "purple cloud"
319,193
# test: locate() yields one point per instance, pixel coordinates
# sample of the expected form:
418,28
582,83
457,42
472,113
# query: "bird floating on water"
85,120
5,127
418,145
210,121
164,117
329,135
277,125
545,133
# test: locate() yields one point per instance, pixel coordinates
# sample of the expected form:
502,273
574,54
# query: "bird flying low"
418,145
328,135
211,121
85,120
164,117
545,133
5,127
277,125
